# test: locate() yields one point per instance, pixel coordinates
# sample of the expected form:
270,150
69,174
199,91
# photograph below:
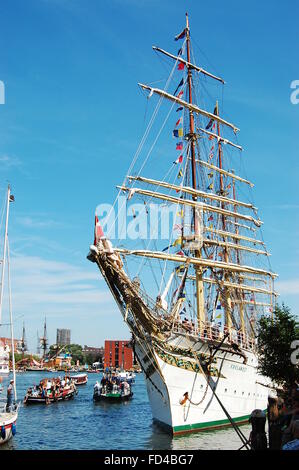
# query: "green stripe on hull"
208,425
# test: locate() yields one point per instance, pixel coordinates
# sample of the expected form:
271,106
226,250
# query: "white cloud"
8,161
288,287
41,286
36,223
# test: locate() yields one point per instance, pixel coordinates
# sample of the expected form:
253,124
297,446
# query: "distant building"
97,353
6,343
118,354
63,337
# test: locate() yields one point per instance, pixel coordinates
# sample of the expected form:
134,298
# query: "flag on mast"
181,35
211,121
98,231
179,85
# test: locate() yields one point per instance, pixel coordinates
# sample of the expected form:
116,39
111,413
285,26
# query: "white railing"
208,331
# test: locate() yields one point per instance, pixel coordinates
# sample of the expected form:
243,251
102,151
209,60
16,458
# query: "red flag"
181,35
98,231
181,66
180,253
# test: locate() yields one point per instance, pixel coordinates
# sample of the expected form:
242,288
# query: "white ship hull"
7,424
239,389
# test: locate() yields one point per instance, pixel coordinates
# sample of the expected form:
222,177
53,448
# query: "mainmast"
227,299
192,136
241,311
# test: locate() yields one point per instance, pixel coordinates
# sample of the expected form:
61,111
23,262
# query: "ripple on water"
85,425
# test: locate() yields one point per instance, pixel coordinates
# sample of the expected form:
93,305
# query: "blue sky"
73,118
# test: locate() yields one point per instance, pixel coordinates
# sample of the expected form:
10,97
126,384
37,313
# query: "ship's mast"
24,344
227,299
44,340
192,136
241,307
4,251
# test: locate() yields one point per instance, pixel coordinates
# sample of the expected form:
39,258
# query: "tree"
275,338
75,350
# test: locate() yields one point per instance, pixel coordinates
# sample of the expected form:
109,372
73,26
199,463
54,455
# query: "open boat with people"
112,387
50,391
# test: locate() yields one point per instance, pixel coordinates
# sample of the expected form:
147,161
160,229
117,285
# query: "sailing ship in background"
192,306
8,412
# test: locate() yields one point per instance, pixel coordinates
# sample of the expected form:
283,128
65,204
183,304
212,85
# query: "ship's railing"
156,311
208,331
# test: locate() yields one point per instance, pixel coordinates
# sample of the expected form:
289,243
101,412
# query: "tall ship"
190,271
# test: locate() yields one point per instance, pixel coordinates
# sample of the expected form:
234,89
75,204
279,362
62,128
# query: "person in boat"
48,385
127,388
109,385
97,386
10,392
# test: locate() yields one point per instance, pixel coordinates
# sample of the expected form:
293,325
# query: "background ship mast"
23,342
43,341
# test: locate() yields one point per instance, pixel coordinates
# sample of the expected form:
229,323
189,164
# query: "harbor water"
82,424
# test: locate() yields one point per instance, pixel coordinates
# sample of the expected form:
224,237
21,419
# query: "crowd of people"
112,382
283,416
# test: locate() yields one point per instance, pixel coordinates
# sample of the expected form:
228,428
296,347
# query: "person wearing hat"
9,395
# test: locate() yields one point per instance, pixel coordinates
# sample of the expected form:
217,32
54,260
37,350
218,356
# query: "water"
84,425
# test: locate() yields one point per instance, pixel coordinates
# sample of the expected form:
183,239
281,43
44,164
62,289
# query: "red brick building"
118,354
7,342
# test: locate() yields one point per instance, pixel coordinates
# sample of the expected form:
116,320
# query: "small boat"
35,369
80,379
8,421
115,392
46,395
127,376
